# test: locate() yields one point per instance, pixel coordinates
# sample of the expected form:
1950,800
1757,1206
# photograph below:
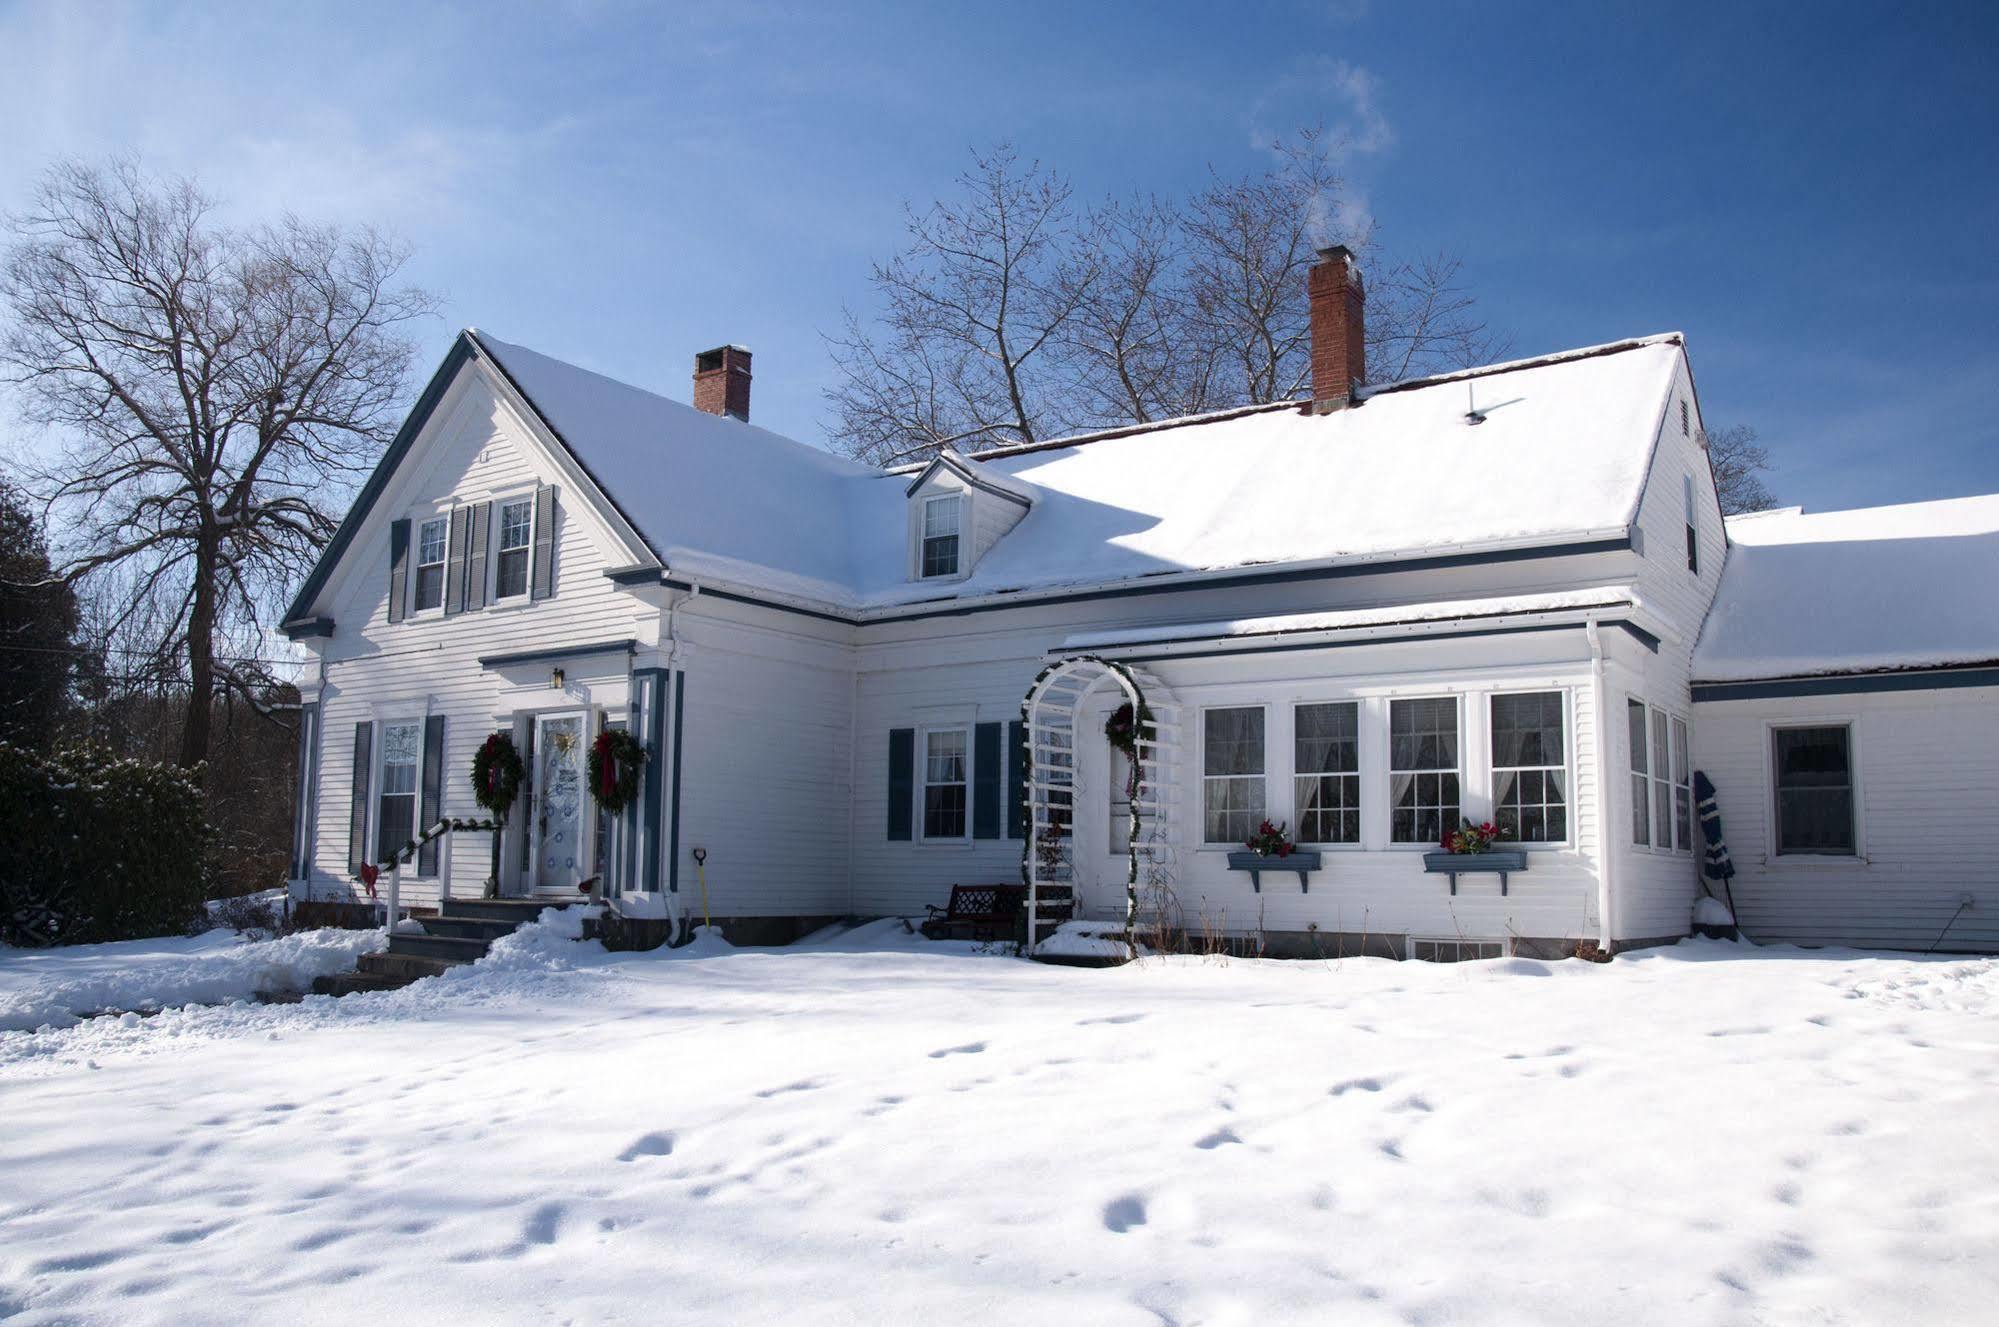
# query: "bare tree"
212,388
1010,318
1740,463
970,311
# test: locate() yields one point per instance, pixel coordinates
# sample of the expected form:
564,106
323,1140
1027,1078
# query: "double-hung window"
1231,774
1683,789
1423,769
1814,769
1530,768
1326,743
945,791
429,565
1662,782
941,518
395,804
1641,780
510,576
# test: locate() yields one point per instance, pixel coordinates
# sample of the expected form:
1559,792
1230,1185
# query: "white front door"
559,818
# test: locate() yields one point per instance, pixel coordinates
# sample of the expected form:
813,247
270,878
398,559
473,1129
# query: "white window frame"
1661,776
1201,808
417,564
1633,752
1389,771
1682,755
1693,527
1566,768
1771,856
378,766
924,784
500,505
1358,775
962,507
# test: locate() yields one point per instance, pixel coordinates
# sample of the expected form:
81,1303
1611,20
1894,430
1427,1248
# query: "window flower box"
1301,860
1501,862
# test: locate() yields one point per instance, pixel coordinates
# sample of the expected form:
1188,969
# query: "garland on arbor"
497,773
615,761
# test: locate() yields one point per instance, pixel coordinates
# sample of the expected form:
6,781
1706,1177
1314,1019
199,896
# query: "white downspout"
1607,839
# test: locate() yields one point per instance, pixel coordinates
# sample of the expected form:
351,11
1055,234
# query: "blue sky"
1808,191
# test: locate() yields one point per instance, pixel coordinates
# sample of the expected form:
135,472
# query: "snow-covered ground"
877,1130
58,986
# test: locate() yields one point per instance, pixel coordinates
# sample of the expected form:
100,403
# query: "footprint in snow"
649,1145
802,1085
969,1048
1357,1085
1124,1214
1218,1138
1109,1018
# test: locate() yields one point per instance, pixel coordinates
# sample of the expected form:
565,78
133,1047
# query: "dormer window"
941,520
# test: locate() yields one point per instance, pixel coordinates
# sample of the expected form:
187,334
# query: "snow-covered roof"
1874,589
1363,619
1560,453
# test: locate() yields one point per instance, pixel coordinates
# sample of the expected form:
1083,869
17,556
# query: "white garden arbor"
1056,735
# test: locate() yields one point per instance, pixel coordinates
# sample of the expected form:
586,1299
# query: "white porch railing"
409,852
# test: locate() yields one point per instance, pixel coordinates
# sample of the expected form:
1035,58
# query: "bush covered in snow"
95,848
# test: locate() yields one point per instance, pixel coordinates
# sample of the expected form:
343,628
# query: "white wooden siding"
1926,766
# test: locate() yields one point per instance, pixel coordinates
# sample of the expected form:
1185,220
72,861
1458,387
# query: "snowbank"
56,987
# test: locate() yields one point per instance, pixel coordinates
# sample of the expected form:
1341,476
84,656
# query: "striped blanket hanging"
1718,866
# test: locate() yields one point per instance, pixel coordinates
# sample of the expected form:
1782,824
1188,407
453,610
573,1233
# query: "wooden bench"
992,912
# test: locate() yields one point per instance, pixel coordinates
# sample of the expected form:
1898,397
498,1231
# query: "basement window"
1454,950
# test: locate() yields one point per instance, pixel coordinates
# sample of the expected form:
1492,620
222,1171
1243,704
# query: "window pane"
945,756
1635,713
1641,816
512,576
1529,767
1423,769
940,556
944,811
516,524
430,542
940,517
944,791
1234,741
1328,738
1814,790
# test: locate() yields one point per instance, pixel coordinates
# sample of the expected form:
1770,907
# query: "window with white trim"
1814,777
1683,789
1641,781
941,519
395,800
1530,768
1693,530
510,562
1232,765
429,587
1423,769
1662,782
946,791
1326,771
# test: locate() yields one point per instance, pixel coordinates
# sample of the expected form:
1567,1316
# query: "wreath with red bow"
615,761
497,773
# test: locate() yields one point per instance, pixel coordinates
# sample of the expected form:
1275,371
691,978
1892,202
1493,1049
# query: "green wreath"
497,773
615,761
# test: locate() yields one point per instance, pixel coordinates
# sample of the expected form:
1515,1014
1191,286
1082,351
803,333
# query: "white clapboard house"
1364,616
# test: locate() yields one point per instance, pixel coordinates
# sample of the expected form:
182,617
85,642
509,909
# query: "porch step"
462,933
461,949
512,910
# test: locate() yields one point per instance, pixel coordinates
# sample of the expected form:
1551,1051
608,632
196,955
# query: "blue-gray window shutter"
901,782
986,781
1016,780
399,568
542,583
454,562
429,800
308,791
480,522
357,819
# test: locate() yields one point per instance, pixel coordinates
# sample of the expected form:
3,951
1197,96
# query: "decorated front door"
558,802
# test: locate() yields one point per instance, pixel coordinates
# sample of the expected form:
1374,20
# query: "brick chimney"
1339,328
722,382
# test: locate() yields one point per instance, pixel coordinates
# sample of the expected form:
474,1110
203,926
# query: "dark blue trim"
639,575
650,688
1033,598
1639,633
433,392
311,626
626,646
679,715
1950,679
